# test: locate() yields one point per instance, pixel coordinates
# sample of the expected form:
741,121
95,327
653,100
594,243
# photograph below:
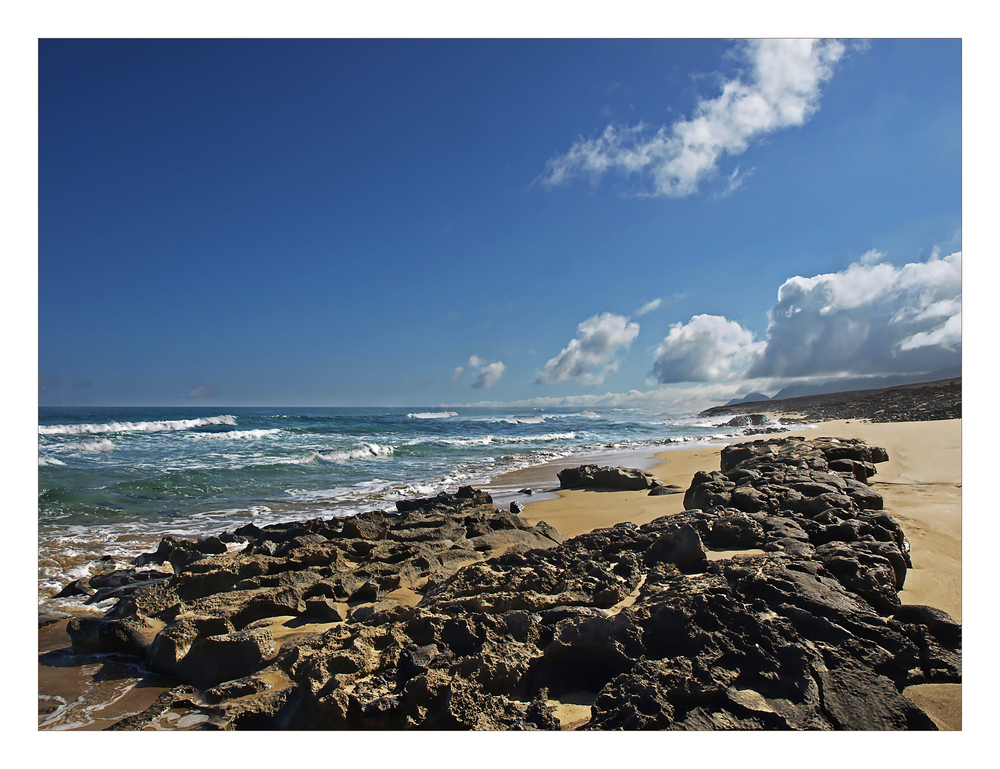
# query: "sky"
663,223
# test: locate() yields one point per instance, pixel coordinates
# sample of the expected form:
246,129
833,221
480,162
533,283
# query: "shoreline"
921,486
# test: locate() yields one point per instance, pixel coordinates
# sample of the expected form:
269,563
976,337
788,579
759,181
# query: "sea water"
113,481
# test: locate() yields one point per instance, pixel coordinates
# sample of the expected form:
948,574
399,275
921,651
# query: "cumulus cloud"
484,374
781,91
591,355
708,348
870,318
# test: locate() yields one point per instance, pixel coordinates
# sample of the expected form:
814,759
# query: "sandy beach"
921,485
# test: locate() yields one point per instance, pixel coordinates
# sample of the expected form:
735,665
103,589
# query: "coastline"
921,485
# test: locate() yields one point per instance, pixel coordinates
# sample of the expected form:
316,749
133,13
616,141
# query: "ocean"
113,481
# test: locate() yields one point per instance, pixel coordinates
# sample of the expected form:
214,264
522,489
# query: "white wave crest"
95,446
236,435
135,427
43,461
523,420
433,415
369,451
482,440
486,440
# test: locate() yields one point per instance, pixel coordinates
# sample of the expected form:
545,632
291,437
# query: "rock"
76,587
668,488
364,526
736,531
224,657
679,545
592,476
747,420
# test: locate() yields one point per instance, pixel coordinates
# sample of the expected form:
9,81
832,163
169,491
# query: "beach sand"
921,486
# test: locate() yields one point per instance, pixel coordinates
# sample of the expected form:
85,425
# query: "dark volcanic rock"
771,604
592,476
907,403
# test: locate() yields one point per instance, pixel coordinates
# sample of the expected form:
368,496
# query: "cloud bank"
871,318
592,354
783,90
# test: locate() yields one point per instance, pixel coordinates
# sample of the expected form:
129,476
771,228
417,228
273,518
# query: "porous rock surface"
771,603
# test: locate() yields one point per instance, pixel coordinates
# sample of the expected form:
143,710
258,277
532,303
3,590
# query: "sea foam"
95,446
433,414
367,451
237,435
135,427
486,440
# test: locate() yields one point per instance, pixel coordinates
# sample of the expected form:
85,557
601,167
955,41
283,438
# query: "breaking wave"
486,440
236,435
136,427
433,414
95,446
369,451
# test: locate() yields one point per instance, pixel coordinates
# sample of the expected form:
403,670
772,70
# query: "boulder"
592,476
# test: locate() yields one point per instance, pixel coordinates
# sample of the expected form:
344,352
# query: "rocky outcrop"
210,620
922,402
770,603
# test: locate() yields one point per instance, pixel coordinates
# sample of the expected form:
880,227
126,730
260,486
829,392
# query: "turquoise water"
113,481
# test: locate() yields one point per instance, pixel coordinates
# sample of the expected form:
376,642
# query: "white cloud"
590,356
783,90
489,374
735,181
870,318
649,307
484,374
872,256
948,335
709,348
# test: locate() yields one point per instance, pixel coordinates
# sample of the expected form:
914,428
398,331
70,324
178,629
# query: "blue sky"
417,222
